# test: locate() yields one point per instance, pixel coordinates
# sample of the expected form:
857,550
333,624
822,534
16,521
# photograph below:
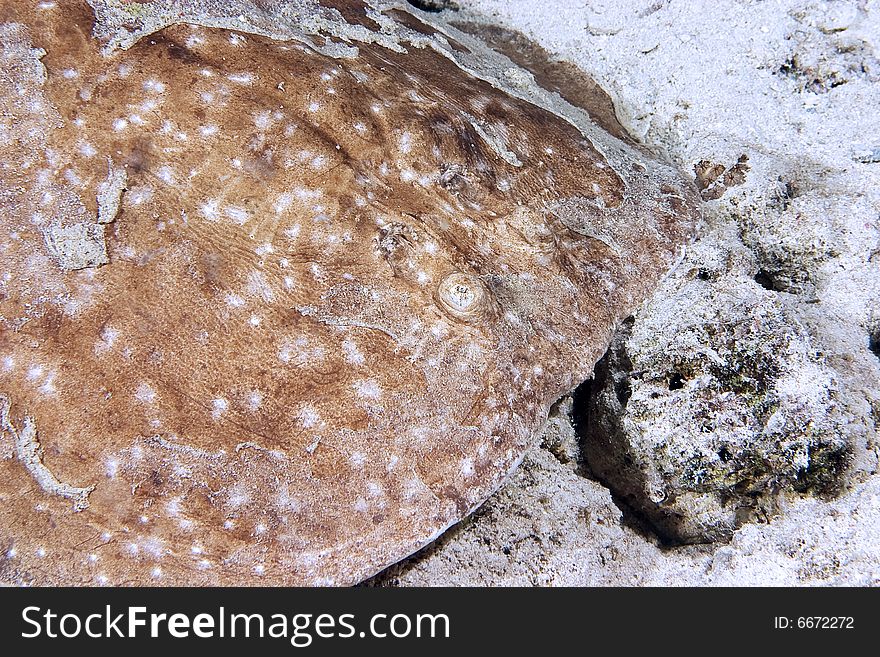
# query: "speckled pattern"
281,316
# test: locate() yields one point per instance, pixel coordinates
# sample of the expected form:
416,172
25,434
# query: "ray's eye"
464,297
460,297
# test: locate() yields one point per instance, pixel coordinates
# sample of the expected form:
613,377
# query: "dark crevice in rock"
631,517
433,6
640,523
765,280
874,342
580,409
582,398
623,390
778,278
824,476
676,381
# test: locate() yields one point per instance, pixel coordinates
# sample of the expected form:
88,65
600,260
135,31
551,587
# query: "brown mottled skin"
269,382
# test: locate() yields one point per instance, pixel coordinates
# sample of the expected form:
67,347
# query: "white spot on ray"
218,407
154,86
209,210
237,497
237,214
254,400
283,202
138,195
258,286
234,300
165,174
308,417
106,340
172,507
353,355
405,142
48,386
71,176
241,78
304,194
368,389
145,393
262,120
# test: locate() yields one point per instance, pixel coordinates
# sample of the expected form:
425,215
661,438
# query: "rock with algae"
727,392
348,270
